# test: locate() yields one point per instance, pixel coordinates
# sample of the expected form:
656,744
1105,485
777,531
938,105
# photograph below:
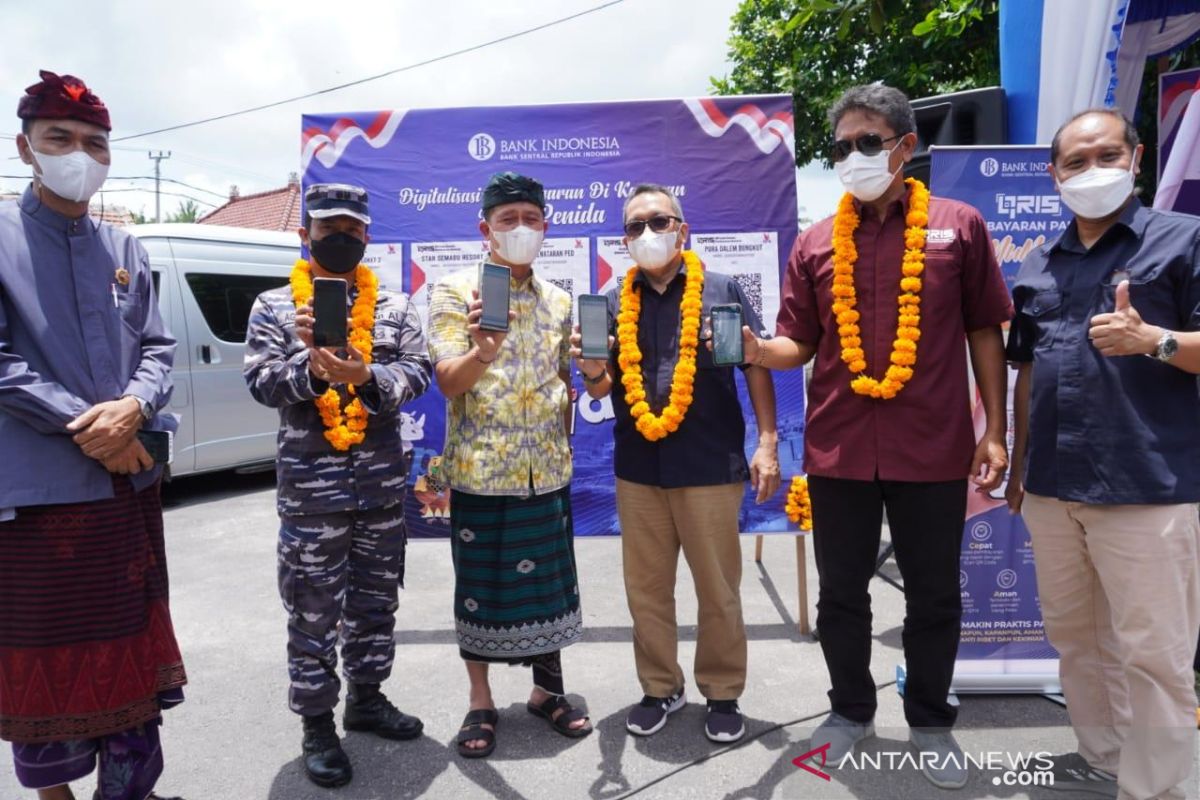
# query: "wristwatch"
1167,347
590,381
146,410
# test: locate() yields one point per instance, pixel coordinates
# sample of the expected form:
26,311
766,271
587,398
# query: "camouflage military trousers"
338,577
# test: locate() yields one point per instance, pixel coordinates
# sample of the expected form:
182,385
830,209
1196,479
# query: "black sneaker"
649,716
1072,773
325,762
367,709
724,722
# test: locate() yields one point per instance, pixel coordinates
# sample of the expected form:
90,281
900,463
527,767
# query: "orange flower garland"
344,427
904,347
798,506
651,426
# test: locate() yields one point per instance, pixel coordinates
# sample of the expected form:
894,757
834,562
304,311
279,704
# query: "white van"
207,277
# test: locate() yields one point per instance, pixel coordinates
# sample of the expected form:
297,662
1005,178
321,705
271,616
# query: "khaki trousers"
1120,596
702,520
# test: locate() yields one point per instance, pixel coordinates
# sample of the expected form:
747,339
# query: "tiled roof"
274,210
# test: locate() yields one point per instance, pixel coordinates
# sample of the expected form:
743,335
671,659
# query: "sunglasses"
869,144
658,223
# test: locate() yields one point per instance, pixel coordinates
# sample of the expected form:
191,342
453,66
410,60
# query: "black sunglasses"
658,223
869,144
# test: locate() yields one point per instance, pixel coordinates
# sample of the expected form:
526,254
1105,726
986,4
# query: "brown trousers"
702,521
1120,596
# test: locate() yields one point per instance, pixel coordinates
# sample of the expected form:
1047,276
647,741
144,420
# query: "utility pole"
157,164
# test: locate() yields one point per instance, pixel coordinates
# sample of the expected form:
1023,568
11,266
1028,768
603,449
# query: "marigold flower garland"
798,506
654,427
908,323
343,427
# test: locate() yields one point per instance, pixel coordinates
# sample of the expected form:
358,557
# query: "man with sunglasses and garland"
884,295
341,475
680,463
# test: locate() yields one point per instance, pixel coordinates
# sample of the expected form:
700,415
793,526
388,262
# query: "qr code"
568,286
751,283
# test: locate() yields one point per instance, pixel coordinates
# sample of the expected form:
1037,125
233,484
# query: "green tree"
816,49
188,211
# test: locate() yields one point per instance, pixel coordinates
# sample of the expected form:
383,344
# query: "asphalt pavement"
235,739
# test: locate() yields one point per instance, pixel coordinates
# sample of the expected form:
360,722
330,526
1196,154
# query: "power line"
168,194
360,81
145,178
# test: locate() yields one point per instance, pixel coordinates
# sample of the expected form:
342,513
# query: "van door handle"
205,354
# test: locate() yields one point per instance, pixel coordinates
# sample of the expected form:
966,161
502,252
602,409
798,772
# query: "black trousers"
926,521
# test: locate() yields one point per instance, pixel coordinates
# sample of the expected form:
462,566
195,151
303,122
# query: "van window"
225,300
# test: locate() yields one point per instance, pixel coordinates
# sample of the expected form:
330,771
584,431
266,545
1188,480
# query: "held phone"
727,334
329,312
593,326
493,291
159,444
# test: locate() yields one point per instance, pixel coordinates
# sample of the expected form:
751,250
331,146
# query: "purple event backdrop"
1002,618
731,159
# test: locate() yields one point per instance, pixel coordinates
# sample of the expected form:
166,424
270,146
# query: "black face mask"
338,252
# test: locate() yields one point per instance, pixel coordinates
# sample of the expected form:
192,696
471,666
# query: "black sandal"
472,730
561,723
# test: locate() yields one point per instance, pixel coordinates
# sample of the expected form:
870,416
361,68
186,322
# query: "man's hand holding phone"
486,341
328,366
589,367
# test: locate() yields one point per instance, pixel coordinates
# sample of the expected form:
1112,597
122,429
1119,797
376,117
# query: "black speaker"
977,116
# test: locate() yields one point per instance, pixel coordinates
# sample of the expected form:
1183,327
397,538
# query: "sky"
159,64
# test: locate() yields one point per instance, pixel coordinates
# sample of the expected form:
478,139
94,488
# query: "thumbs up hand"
1123,332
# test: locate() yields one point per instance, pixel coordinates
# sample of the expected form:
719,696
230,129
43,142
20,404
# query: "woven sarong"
86,641
516,594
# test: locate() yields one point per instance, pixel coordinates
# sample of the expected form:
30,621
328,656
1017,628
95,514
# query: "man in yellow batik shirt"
508,463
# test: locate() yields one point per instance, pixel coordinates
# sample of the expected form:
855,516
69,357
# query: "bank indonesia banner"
1003,645
731,160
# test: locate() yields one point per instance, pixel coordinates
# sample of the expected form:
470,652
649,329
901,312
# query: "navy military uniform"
341,511
341,537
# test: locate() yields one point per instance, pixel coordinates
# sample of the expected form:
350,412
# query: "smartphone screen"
329,312
593,326
727,334
158,444
493,291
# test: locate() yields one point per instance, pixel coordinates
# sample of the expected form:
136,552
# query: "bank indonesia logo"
1006,579
981,531
481,147
962,579
989,167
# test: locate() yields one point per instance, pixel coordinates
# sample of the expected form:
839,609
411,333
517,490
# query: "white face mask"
75,176
653,250
1097,192
520,245
865,177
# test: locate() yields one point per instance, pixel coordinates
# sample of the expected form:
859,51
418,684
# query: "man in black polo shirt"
1108,436
680,463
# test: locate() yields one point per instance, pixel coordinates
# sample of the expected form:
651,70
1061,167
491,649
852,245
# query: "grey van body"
207,277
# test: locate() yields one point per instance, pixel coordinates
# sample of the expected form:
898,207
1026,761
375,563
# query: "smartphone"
593,326
159,444
329,312
727,334
493,291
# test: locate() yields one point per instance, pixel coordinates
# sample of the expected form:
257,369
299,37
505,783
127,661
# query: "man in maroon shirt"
908,450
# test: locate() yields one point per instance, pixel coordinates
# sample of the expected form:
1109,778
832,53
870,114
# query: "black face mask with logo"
338,252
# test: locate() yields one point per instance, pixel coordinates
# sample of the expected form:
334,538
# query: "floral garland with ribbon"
348,426
799,506
908,323
654,427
